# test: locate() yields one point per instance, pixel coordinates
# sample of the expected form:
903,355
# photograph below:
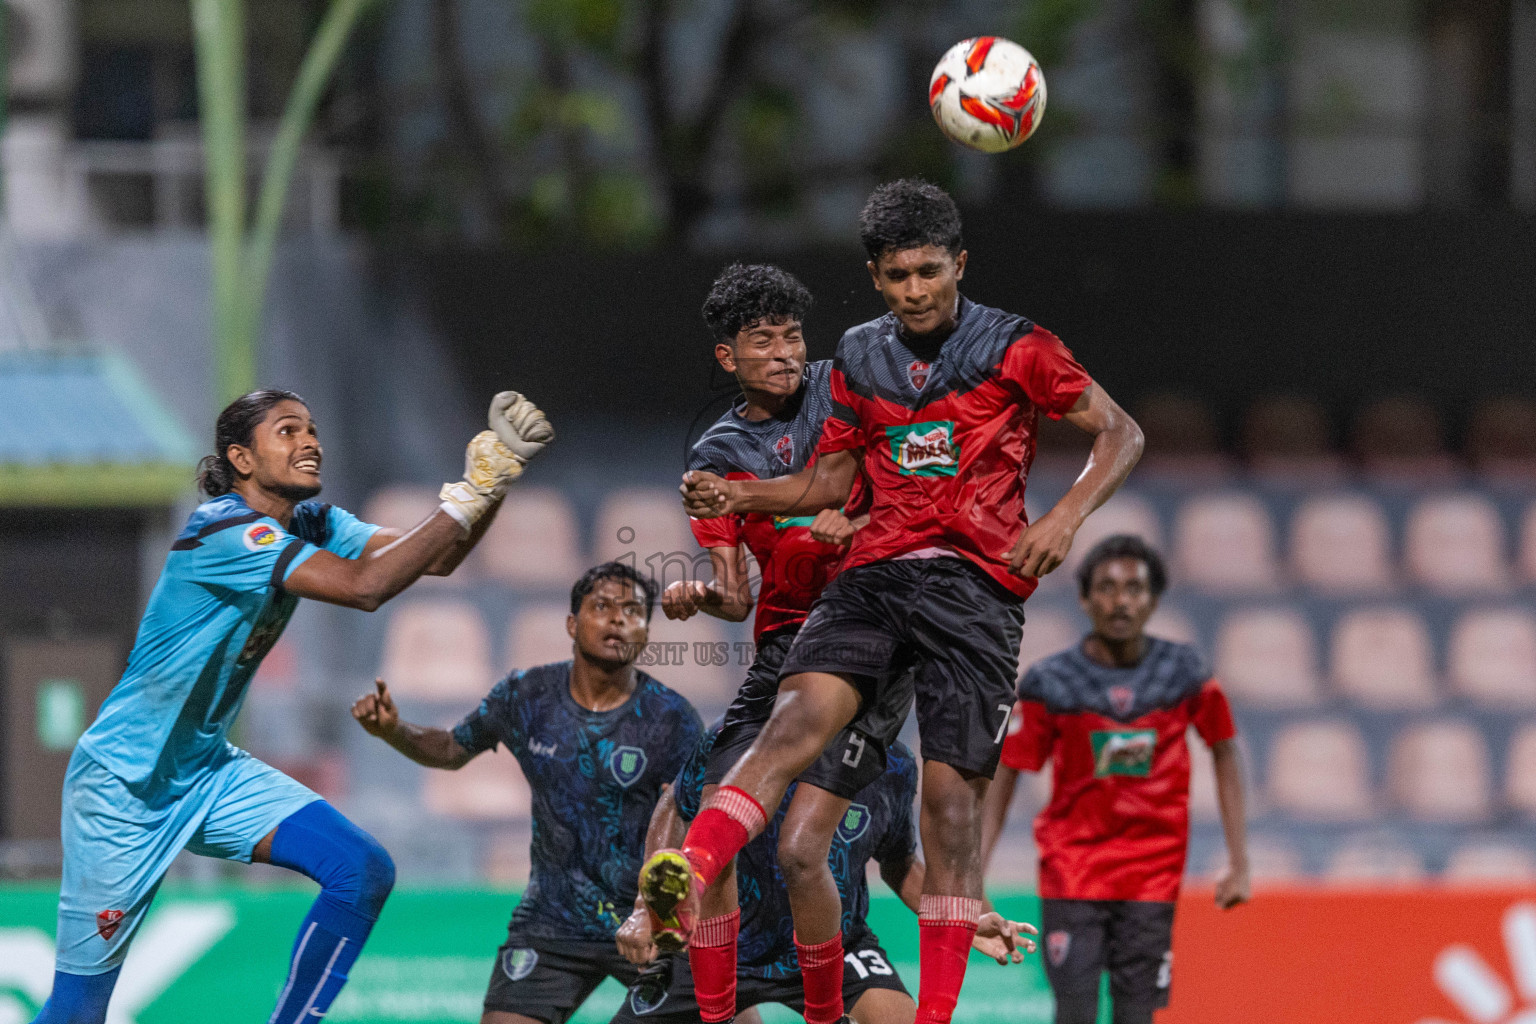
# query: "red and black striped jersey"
795,568
948,442
1117,825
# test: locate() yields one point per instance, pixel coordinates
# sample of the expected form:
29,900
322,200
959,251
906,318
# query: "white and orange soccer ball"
987,93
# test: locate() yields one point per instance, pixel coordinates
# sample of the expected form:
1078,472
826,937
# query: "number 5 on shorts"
1007,710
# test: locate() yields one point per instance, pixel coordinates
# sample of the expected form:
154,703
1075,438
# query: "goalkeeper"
155,774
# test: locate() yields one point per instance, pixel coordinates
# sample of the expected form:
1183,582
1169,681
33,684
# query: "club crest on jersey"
260,535
107,923
854,824
917,373
517,964
627,765
646,998
1121,698
1123,751
925,449
784,448
1057,945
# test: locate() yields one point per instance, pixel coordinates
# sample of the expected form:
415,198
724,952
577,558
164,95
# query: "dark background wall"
1223,306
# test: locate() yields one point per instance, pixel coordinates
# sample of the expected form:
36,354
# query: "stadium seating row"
1381,657
1222,543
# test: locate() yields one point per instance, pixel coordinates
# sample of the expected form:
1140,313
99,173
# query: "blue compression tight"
355,875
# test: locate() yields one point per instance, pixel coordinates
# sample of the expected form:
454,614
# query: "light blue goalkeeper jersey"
216,611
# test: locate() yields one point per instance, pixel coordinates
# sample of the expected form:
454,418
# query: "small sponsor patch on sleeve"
258,536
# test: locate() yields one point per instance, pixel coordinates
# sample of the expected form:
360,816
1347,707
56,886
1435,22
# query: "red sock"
712,956
723,827
945,927
821,969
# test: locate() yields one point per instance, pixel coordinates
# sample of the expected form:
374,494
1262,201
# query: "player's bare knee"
802,856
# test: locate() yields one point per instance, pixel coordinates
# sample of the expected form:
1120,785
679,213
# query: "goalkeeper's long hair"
236,425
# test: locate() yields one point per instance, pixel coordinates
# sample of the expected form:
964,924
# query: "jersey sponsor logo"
925,449
517,964
784,448
107,923
1057,945
541,749
854,824
261,535
627,765
917,373
1123,751
788,522
1121,698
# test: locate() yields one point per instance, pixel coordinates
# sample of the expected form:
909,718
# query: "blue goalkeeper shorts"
120,840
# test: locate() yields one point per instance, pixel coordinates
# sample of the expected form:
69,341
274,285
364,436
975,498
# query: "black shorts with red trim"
664,994
854,758
940,621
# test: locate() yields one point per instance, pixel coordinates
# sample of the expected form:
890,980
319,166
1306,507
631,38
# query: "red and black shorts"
854,758
940,621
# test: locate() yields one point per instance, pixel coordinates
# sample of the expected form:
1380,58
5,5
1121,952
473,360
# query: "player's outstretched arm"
385,569
426,745
825,483
1233,887
727,596
1117,444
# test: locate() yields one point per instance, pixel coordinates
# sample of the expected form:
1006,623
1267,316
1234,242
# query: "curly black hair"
909,214
745,294
623,573
1123,545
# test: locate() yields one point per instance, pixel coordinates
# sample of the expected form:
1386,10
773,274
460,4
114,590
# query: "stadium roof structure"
81,429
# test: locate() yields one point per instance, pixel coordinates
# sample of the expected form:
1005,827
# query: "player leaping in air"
755,314
939,401
597,740
155,774
878,828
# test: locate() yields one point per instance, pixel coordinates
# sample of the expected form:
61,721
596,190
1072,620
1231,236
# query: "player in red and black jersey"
938,400
755,314
1112,713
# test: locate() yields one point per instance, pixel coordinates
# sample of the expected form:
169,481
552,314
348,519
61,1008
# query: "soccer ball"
987,93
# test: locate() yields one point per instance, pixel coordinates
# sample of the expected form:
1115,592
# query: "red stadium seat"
1287,437
1493,657
1383,659
1225,543
647,528
1528,544
1401,439
536,635
1342,544
534,541
1439,772
1490,862
1270,859
1378,859
438,650
489,788
1268,657
1048,631
1320,770
1520,771
1454,543
1126,512
402,506
1171,624
1203,805
697,658
1501,438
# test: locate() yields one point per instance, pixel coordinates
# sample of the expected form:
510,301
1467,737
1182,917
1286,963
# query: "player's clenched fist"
375,712
634,938
1043,545
683,599
705,495
520,425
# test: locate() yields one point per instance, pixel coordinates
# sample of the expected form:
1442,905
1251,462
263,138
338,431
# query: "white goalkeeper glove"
489,466
520,425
